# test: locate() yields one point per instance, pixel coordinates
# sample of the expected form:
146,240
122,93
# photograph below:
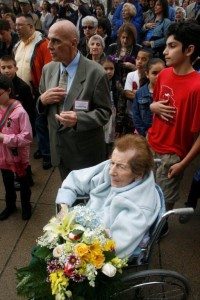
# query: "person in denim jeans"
142,115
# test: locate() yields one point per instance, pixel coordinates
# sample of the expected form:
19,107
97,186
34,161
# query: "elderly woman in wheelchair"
121,190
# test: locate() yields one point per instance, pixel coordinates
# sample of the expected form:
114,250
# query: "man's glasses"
88,27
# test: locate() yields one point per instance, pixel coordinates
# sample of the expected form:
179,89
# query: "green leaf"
41,252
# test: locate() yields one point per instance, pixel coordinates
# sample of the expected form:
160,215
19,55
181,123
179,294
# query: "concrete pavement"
180,249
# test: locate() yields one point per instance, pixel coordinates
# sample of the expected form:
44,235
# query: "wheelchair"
141,283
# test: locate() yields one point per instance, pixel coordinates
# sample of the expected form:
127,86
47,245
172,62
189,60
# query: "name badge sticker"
81,105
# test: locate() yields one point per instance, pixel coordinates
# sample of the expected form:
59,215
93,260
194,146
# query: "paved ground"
180,249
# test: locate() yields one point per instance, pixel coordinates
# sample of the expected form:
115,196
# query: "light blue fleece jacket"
128,212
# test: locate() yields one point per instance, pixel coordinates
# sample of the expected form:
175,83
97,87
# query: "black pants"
10,196
194,194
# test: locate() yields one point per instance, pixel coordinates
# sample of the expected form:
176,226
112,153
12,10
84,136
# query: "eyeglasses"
88,27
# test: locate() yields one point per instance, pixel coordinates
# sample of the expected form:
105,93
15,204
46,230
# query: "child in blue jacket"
142,115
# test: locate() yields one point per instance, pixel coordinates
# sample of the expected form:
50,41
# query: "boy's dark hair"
187,33
4,25
5,82
8,58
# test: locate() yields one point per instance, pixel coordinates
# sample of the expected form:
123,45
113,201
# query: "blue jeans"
42,134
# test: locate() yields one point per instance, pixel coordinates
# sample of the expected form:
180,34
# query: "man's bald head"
63,40
67,28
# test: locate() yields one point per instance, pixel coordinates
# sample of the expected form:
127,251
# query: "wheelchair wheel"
154,285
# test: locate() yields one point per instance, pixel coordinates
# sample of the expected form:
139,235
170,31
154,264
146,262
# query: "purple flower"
73,260
78,278
53,265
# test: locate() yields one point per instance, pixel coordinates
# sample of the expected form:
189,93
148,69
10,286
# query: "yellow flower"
97,260
119,263
86,257
58,281
109,245
81,249
95,248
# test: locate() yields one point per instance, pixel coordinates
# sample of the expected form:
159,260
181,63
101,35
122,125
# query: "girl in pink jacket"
15,140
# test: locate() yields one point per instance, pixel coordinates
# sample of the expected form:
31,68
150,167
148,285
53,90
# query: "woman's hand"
150,25
128,65
162,109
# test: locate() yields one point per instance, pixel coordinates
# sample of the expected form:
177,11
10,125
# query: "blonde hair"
132,9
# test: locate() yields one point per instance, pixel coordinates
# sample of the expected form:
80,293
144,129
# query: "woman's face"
96,48
179,15
185,4
89,29
100,31
151,3
126,40
126,13
44,5
54,11
158,9
120,169
99,11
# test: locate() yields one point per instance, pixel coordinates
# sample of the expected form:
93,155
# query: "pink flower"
74,237
69,270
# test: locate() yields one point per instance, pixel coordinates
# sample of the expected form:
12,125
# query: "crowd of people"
80,75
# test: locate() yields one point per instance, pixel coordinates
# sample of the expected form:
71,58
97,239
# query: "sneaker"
5,214
37,154
184,218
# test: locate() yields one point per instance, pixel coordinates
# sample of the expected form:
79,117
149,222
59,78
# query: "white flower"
60,297
109,270
57,251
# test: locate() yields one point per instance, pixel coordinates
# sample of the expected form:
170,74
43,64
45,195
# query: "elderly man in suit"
78,109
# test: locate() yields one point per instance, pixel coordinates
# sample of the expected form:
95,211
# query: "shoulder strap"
9,110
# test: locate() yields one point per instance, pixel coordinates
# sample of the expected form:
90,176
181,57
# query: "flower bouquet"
73,259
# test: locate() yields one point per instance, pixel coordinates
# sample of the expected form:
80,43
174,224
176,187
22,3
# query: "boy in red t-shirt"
174,135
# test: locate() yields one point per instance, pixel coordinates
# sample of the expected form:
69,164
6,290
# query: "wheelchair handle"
179,211
183,210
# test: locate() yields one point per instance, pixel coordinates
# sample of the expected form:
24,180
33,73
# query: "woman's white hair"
90,19
182,10
132,8
98,38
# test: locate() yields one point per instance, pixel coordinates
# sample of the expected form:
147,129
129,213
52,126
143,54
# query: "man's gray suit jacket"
83,145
